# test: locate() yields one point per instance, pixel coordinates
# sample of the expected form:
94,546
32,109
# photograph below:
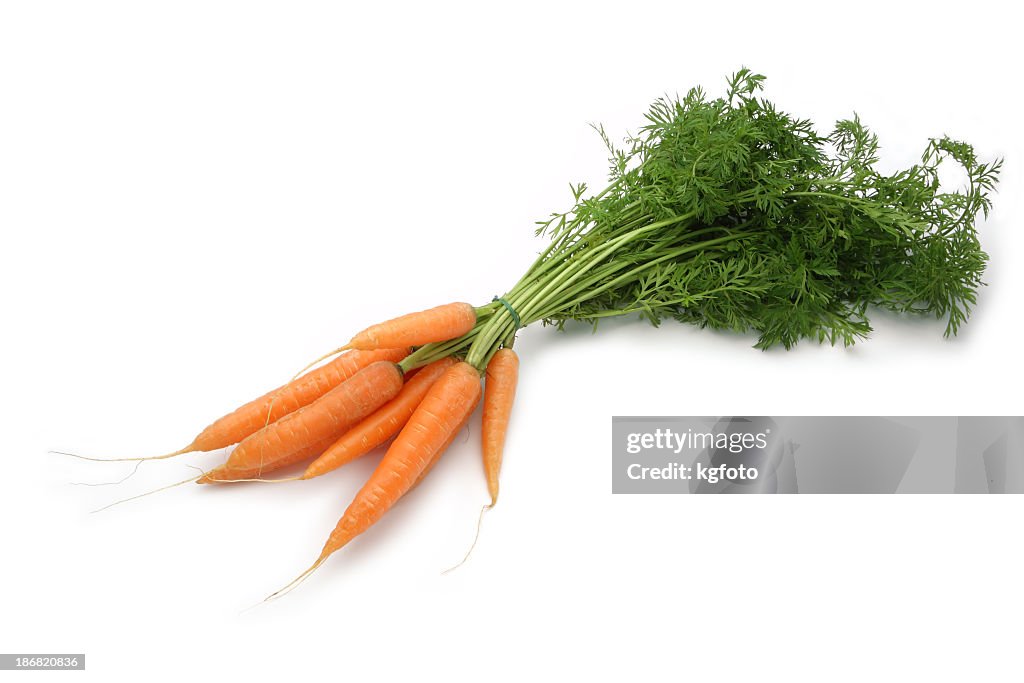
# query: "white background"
198,197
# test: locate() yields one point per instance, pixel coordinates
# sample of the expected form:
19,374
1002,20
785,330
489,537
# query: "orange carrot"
437,324
286,399
499,394
440,452
432,427
256,414
416,329
326,418
381,425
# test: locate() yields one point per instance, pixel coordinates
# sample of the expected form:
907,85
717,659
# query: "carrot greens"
729,213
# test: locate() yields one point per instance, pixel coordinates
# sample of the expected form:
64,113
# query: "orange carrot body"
381,425
415,329
278,444
226,475
499,394
432,427
440,451
252,417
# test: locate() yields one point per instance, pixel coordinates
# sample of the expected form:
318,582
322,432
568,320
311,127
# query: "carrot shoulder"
382,424
327,418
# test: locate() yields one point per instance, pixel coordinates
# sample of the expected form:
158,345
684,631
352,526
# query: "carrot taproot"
436,421
499,393
328,417
502,376
271,406
437,324
440,451
381,425
288,398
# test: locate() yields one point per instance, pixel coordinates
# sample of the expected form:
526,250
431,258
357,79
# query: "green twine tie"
515,316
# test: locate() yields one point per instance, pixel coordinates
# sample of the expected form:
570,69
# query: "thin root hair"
295,583
479,522
149,493
112,483
187,449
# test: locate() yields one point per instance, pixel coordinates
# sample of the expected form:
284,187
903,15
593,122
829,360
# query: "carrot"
499,394
435,423
286,399
437,324
381,425
256,414
278,444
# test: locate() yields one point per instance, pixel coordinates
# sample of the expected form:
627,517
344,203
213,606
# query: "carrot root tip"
110,483
148,493
294,583
479,522
208,480
187,449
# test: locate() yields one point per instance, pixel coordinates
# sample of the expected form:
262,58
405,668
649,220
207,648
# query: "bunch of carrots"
726,213
373,389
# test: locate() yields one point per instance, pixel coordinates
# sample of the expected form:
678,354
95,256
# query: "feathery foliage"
729,213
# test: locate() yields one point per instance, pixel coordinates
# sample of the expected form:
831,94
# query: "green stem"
632,274
496,328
